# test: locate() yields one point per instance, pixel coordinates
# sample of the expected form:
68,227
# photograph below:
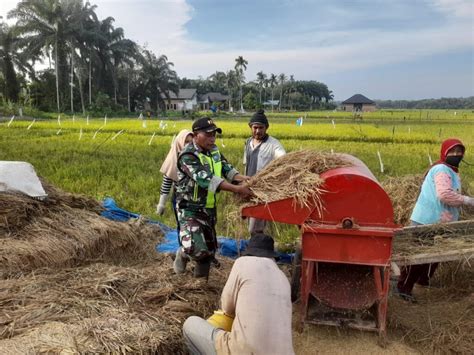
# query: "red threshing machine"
345,248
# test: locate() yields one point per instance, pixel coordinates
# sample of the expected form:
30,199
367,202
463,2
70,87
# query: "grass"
127,168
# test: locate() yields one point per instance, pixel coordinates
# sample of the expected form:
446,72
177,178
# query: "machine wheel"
296,275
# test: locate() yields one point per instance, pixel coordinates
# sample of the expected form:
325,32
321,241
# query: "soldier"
202,171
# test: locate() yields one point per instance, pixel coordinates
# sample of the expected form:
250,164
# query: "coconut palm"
10,58
240,67
272,81
157,78
113,51
282,79
51,26
232,82
261,77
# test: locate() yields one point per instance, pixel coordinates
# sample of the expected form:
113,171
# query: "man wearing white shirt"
260,150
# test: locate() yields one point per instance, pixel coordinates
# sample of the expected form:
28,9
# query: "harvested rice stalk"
106,308
295,175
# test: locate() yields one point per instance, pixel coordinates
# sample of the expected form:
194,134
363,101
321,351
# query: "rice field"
121,158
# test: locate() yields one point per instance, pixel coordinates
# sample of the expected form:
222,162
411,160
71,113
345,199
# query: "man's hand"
241,178
244,192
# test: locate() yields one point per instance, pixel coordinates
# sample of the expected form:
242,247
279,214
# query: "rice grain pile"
295,175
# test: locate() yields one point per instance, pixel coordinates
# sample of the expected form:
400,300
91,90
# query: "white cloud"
456,8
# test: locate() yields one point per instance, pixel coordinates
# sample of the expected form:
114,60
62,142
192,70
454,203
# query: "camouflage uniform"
199,175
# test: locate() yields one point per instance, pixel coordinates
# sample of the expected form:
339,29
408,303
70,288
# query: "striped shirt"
166,185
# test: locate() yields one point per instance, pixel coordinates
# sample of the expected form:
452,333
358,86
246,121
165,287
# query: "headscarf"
446,146
170,165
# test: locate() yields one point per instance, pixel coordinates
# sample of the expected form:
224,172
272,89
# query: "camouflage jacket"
198,179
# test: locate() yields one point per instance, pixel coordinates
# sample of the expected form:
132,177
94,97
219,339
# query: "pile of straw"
72,281
442,321
403,191
295,175
63,230
408,245
103,308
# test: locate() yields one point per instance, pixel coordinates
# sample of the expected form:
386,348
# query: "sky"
383,49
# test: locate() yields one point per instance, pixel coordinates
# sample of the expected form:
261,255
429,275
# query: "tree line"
281,92
466,103
90,66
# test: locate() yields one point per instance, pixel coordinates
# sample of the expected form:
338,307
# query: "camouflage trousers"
197,234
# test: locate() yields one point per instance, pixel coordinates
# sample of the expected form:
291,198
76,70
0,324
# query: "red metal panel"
283,211
347,247
355,195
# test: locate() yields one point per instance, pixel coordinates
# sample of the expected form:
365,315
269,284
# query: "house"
186,100
358,103
215,99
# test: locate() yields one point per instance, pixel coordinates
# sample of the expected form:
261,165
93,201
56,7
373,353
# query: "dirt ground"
328,340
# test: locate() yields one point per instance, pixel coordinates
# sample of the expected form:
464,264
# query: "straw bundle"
403,191
104,308
295,175
64,230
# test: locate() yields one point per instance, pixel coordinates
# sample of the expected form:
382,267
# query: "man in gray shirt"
260,150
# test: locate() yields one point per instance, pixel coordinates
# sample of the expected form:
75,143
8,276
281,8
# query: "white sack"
19,176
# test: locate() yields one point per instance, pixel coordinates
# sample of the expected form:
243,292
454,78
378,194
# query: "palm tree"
261,77
272,81
157,77
11,57
240,67
232,81
292,86
114,50
282,79
51,25
218,81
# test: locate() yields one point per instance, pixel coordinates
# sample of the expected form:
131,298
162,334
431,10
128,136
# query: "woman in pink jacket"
439,201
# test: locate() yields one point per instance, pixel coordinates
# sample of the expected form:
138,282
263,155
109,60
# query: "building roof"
358,99
213,96
184,94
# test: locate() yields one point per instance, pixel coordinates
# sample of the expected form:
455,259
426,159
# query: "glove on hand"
160,207
469,201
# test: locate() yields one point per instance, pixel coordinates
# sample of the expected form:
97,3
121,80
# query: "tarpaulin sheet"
227,246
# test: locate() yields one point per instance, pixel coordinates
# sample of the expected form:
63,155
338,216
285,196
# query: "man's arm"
278,151
230,292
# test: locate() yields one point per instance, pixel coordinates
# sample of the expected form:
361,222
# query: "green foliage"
250,101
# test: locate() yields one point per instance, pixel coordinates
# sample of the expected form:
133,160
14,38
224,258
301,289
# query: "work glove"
160,207
469,201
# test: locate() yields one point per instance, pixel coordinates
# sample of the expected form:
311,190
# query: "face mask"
453,160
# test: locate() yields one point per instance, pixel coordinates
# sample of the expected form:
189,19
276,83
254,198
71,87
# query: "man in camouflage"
202,171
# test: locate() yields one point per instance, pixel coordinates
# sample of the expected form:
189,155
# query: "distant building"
358,103
186,100
215,99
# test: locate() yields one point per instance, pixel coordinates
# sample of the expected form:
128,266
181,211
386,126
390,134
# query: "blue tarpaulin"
227,246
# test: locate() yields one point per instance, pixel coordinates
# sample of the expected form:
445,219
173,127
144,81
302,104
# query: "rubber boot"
202,267
180,261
